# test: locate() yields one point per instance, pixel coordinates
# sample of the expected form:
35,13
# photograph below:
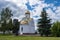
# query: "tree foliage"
44,24
56,29
6,14
10,25
15,26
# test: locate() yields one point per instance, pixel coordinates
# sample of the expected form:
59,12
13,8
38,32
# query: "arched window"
21,28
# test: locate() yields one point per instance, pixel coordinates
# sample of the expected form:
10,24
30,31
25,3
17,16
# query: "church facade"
27,25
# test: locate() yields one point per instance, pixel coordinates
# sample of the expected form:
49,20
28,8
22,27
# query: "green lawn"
11,37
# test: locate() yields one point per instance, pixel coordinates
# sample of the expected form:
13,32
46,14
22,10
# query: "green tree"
56,29
3,28
6,14
44,24
16,26
10,25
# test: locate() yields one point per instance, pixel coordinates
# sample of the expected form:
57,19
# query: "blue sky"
55,2
34,6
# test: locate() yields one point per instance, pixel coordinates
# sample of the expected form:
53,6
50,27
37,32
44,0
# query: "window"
21,28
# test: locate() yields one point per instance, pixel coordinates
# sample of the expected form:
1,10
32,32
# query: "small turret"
27,14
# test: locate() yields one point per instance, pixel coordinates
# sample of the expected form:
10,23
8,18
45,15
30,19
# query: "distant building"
27,25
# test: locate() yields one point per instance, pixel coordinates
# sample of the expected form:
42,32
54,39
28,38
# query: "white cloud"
38,9
58,10
54,8
55,16
19,3
51,14
33,2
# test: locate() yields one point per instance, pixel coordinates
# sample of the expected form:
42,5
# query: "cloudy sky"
34,6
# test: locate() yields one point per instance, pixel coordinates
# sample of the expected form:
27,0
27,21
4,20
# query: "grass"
12,37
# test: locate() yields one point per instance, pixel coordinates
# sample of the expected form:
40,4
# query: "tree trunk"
46,35
3,32
41,34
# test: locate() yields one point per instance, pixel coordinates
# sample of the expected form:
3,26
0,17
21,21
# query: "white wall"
28,28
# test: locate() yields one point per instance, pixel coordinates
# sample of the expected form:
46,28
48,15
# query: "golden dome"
31,19
27,12
24,22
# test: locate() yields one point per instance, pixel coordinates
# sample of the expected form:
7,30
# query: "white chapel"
27,25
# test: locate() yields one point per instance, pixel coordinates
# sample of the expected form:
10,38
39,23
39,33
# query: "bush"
56,29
